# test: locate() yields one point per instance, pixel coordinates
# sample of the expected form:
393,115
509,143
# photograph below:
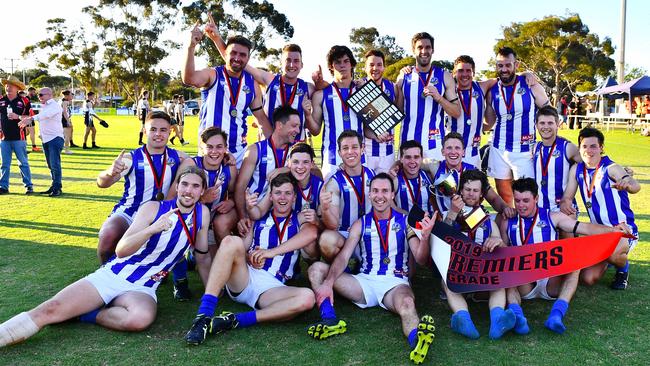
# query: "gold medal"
160,196
386,260
233,113
588,205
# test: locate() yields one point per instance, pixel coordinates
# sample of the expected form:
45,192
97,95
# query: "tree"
365,39
131,32
257,21
392,72
561,51
633,73
69,50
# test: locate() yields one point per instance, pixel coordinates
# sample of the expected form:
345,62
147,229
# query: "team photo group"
251,218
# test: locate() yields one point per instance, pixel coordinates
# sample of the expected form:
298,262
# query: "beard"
507,79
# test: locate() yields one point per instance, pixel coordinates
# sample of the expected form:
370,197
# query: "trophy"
444,186
470,218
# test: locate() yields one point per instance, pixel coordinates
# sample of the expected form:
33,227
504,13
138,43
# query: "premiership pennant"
465,267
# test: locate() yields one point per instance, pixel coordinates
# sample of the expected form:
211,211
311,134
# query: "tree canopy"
561,51
366,39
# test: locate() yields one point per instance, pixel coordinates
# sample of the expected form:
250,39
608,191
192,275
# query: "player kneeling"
384,245
121,295
255,269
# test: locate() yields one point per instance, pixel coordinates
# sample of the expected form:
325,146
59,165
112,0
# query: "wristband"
256,109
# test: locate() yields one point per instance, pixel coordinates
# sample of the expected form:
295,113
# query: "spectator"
12,107
51,131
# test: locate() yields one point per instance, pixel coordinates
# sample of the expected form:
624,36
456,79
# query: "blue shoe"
505,321
555,324
521,325
463,325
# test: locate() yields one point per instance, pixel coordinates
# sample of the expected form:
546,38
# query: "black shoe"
172,140
201,326
182,291
55,193
49,190
95,146
85,147
72,144
4,191
620,281
222,322
29,190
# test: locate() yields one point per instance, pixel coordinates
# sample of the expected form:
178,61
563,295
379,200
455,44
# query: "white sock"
17,329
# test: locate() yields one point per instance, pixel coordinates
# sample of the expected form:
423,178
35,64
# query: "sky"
459,27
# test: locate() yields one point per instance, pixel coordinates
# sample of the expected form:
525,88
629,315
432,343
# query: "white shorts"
474,160
379,164
539,291
435,154
109,285
510,165
259,281
120,213
375,288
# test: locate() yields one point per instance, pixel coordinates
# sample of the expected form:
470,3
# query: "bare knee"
330,244
305,300
589,278
48,312
406,305
232,245
138,321
317,271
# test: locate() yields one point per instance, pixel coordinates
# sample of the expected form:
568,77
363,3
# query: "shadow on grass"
65,178
93,197
50,228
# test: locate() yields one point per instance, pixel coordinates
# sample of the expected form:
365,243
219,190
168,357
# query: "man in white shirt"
51,131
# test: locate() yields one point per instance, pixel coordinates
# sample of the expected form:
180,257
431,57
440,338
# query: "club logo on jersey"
395,226
171,162
556,153
542,224
475,95
433,81
246,89
300,92
521,91
435,133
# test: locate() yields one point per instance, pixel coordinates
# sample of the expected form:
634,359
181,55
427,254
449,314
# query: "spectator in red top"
12,107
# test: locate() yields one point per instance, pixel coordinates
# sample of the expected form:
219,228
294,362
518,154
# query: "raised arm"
143,228
566,205
329,204
257,107
315,123
117,170
244,176
450,100
190,76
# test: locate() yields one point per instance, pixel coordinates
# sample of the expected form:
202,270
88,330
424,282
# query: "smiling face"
411,161
350,151
236,57
158,131
591,151
525,203
190,189
291,64
506,68
300,164
283,199
381,195
374,67
423,51
464,75
213,151
547,127
290,129
453,151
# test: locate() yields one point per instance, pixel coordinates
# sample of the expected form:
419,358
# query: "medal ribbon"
590,187
509,103
530,230
544,164
414,199
275,155
344,105
157,180
467,109
360,197
383,239
233,98
284,226
425,82
308,197
283,92
191,236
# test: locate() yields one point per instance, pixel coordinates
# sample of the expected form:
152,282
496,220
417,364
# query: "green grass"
47,243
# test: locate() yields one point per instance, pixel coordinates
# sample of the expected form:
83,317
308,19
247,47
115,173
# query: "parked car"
192,107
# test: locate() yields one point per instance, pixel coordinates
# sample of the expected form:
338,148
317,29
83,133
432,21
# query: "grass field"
47,243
